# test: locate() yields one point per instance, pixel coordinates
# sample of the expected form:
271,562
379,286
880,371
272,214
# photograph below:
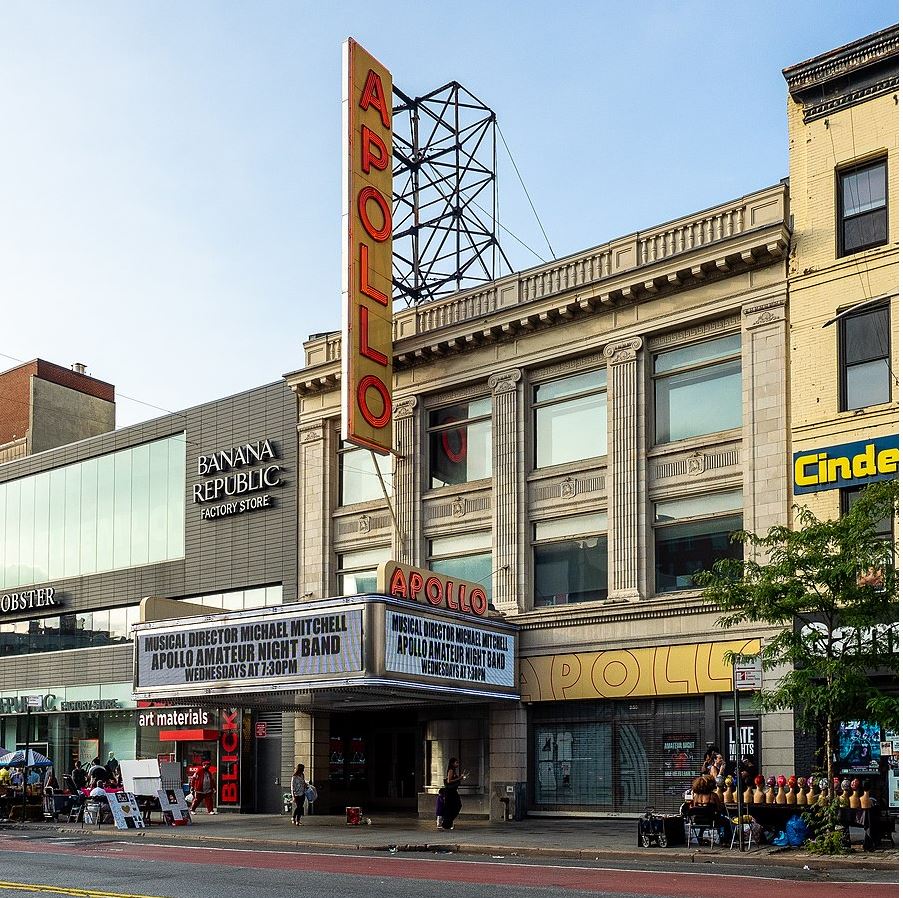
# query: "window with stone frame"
356,569
570,560
692,533
465,556
570,418
359,480
460,442
697,389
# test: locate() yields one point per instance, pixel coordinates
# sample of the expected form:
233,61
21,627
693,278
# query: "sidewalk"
602,839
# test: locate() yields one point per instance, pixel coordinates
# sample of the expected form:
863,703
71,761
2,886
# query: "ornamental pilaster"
626,469
315,475
507,480
405,479
766,433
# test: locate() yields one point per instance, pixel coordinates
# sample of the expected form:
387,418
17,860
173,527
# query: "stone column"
766,446
626,478
314,519
405,482
507,479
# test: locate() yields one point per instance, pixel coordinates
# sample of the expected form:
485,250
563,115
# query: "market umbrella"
17,759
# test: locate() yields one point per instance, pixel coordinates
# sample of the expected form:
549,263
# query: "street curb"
774,857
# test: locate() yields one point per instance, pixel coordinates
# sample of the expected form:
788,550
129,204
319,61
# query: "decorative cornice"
852,74
779,302
724,242
404,408
691,333
852,98
504,381
308,433
623,350
842,61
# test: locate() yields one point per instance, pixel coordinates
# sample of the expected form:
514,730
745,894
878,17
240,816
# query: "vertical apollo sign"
367,251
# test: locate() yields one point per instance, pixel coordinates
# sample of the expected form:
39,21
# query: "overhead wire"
526,192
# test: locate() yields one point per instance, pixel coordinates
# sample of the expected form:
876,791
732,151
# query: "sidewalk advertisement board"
126,813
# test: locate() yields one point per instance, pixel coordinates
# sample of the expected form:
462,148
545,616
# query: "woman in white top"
299,787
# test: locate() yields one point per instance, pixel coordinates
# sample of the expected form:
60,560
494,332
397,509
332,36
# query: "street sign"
748,674
261,730
34,701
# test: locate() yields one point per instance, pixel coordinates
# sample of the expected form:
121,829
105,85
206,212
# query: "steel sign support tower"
445,197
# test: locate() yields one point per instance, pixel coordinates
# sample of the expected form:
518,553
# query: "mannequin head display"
747,792
865,800
759,792
729,795
824,787
771,785
812,797
792,789
854,794
845,793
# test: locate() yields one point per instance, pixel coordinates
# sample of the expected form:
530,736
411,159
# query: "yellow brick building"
843,270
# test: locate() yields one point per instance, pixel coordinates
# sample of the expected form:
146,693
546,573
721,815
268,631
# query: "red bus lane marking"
704,884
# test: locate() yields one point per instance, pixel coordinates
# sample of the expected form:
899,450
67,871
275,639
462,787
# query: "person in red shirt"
203,787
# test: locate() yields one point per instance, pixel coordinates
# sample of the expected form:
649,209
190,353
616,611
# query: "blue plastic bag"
796,831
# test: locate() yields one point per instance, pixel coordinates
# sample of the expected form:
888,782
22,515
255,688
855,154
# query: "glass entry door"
394,767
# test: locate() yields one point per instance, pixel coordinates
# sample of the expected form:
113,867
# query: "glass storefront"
103,514
618,756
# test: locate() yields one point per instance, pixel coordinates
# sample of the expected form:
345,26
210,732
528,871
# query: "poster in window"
749,743
682,760
88,750
858,747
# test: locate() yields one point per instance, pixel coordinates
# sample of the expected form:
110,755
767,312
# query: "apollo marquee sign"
237,479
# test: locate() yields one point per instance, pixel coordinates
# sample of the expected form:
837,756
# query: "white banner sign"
264,651
454,652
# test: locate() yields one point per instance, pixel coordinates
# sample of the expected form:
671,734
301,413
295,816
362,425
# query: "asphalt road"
32,865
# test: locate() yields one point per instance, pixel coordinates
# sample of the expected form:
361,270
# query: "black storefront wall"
615,755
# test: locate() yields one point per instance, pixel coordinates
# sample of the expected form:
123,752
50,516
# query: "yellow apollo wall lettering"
367,251
692,669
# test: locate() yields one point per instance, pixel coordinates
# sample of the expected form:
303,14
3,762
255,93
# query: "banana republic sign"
242,475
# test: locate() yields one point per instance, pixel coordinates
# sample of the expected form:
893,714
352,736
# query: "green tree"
831,586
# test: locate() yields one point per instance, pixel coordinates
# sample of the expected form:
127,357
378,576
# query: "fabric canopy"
17,759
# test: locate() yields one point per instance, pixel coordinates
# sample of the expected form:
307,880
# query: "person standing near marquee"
299,787
202,786
451,807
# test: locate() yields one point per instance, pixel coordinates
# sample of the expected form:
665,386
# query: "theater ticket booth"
388,687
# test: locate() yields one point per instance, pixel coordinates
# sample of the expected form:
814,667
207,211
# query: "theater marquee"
367,649
367,251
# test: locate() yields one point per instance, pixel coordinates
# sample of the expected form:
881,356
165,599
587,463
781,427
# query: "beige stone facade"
719,273
621,688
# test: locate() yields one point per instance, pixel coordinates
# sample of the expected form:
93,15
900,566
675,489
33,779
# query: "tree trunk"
829,752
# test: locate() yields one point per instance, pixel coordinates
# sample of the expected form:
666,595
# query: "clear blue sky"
170,197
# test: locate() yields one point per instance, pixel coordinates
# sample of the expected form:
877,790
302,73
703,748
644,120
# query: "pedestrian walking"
451,805
299,788
202,787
